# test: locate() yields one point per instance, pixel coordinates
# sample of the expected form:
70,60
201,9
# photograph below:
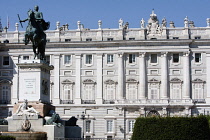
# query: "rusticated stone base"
26,135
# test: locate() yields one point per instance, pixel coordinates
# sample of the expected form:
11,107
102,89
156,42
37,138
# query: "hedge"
7,138
171,128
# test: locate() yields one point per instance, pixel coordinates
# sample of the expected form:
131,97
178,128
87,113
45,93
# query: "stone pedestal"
34,81
54,132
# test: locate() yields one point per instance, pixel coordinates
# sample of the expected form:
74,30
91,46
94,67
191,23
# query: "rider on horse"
35,31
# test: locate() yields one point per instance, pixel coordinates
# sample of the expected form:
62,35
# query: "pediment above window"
67,82
5,81
197,80
131,81
110,82
153,80
176,80
89,81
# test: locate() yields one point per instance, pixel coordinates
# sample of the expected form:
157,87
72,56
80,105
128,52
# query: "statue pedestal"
34,81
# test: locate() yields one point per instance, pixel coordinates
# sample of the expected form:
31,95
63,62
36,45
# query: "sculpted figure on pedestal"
24,109
153,24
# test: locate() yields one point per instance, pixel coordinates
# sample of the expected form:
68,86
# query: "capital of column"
186,53
164,54
142,54
120,54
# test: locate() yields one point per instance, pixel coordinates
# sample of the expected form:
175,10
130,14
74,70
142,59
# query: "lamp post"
83,118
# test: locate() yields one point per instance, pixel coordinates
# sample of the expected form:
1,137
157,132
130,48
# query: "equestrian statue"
35,32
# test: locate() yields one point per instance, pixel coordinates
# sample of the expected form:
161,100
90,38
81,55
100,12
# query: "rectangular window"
197,57
175,58
88,93
5,92
132,92
67,59
67,93
110,92
175,37
87,126
132,58
67,40
25,57
89,59
109,125
131,38
197,37
198,91
6,60
109,137
176,91
153,58
131,125
110,58
88,39
109,39
154,91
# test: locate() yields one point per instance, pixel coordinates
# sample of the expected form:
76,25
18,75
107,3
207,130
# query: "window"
87,126
110,58
67,93
25,57
197,37
109,125
109,137
154,91
5,92
175,58
110,92
132,58
67,59
153,58
88,39
132,91
109,39
175,37
87,138
198,87
89,59
197,57
67,40
131,38
6,60
176,91
88,93
131,125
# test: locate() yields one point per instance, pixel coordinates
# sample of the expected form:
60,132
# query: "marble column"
186,75
142,76
164,75
15,90
120,76
56,97
99,93
78,80
208,77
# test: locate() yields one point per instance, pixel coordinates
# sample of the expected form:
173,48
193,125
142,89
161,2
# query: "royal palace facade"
116,75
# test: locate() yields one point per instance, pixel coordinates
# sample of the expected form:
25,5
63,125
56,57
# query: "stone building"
116,75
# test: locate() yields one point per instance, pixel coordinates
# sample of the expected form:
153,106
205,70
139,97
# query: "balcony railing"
88,101
108,102
5,102
67,102
199,101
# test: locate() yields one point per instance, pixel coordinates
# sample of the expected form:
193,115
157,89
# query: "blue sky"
109,11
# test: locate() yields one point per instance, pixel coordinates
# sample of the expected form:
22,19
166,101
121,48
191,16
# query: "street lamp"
83,118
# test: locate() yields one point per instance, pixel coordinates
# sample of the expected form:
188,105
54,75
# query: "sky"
109,11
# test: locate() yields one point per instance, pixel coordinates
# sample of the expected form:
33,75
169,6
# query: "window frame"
110,59
132,58
151,57
70,60
173,58
8,61
88,64
200,58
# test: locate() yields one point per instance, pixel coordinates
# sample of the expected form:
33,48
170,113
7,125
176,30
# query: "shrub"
171,128
7,138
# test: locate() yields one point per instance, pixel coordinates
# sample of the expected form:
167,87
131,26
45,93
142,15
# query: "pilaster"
142,76
15,90
164,75
208,77
186,75
56,99
99,79
78,80
120,76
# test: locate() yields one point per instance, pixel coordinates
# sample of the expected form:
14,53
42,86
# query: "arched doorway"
153,113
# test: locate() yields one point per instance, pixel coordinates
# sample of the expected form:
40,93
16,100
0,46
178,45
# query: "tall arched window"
132,89
176,88
88,93
67,96
110,91
5,91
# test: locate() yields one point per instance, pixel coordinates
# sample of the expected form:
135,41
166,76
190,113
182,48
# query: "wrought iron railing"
108,101
5,102
88,101
67,102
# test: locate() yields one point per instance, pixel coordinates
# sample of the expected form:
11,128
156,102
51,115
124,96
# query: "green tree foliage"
171,128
